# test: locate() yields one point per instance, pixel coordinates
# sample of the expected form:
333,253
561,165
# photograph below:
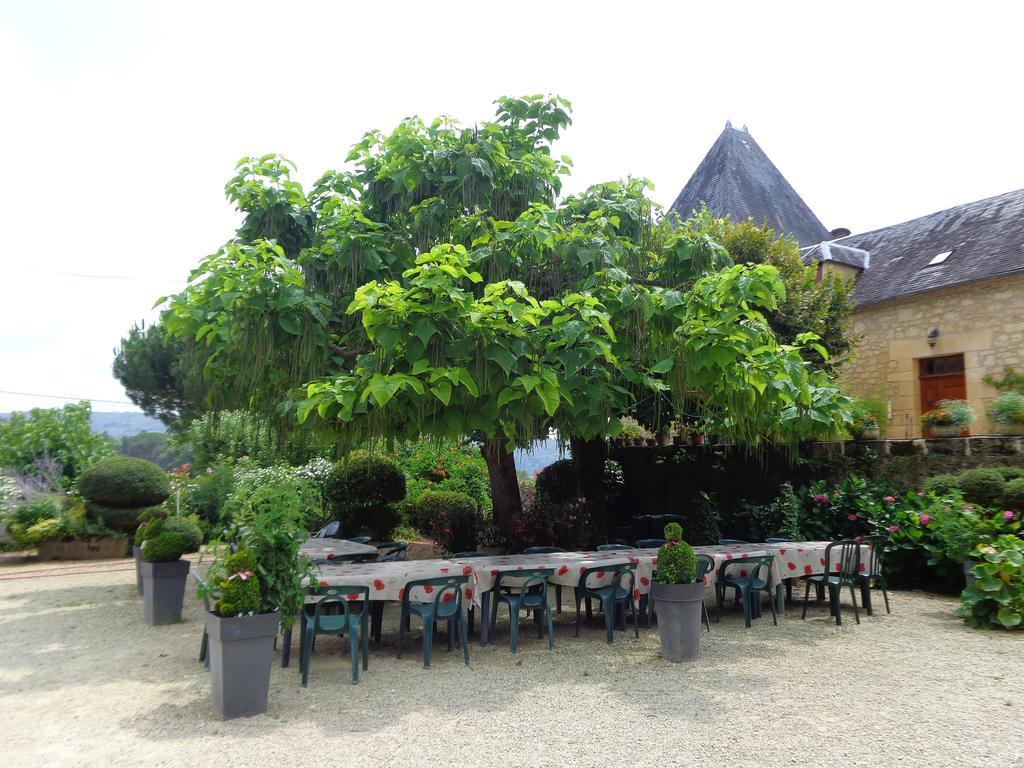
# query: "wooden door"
942,378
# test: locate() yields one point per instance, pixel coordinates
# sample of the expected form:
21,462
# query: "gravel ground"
83,682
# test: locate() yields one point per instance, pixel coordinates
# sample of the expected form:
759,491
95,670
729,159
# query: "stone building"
939,299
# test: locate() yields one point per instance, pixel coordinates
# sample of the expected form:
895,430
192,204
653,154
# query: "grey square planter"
163,589
679,626
240,649
137,554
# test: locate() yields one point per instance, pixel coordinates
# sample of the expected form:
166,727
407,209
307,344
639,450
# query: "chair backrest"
612,547
331,529
461,555
360,539
753,565
732,541
619,571
847,558
532,579
878,543
541,550
346,597
447,592
776,540
650,543
393,549
704,566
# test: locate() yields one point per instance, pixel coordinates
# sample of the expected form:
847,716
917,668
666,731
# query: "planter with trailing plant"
949,418
241,639
865,428
164,573
678,597
1007,413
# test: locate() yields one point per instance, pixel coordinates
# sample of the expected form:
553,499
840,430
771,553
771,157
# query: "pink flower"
243,575
820,498
925,519
209,470
851,517
1008,514
892,528
889,499
966,508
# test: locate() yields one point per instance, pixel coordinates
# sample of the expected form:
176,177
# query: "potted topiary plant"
163,572
678,596
1007,412
241,631
949,419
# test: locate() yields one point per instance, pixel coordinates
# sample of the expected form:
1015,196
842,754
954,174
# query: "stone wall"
984,321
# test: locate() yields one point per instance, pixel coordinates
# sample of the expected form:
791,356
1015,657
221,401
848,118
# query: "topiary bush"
124,482
363,492
187,528
1010,473
240,589
677,562
451,519
982,486
1013,495
165,547
557,481
942,485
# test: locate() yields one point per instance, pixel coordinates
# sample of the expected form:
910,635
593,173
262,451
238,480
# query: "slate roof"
986,240
737,178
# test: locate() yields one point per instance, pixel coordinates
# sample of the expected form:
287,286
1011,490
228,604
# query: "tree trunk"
501,471
589,457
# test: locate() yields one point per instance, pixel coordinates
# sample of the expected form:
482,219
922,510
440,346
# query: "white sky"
121,121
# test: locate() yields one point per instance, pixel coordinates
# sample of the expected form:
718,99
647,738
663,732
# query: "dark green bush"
186,528
124,482
982,486
240,591
451,519
119,518
557,481
363,492
1013,495
208,491
677,562
941,485
701,521
1010,473
165,547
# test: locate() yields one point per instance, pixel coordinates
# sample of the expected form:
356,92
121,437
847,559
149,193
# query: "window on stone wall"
942,366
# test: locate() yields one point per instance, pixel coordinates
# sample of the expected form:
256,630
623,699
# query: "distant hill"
120,424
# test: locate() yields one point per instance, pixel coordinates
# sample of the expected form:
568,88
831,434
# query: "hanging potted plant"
678,596
1007,412
949,419
163,572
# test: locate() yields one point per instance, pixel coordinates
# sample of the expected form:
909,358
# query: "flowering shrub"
451,519
949,413
997,597
543,522
254,487
429,465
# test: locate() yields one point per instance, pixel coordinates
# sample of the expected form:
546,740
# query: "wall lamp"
933,336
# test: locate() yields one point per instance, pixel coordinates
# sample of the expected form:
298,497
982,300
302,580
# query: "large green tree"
158,376
438,287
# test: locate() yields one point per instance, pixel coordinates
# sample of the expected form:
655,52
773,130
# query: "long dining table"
386,581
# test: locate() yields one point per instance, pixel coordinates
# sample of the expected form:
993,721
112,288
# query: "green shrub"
280,487
557,481
119,518
997,598
187,528
206,493
701,521
431,465
240,589
982,486
165,547
677,562
1010,473
124,482
363,493
1013,495
942,485
44,530
451,519
19,519
1008,409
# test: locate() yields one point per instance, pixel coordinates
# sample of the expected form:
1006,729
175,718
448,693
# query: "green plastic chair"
732,541
650,543
529,595
749,585
548,551
776,540
789,581
873,576
613,547
446,606
461,555
316,620
848,558
610,596
360,539
391,551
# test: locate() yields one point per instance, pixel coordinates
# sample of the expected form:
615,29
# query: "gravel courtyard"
83,682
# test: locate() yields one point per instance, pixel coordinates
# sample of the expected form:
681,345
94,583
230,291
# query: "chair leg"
853,597
885,596
494,611
403,624
704,615
364,635
451,631
538,615
578,599
464,636
636,624
471,614
789,590
807,594
719,600
609,619
590,613
429,626
353,642
551,627
558,596
513,620
307,652
771,602
748,606
834,597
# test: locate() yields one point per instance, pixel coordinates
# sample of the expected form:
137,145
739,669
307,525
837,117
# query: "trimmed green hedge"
124,482
363,493
451,519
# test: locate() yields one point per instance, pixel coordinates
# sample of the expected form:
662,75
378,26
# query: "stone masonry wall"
984,321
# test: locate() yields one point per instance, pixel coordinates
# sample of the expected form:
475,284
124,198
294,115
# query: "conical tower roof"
737,178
